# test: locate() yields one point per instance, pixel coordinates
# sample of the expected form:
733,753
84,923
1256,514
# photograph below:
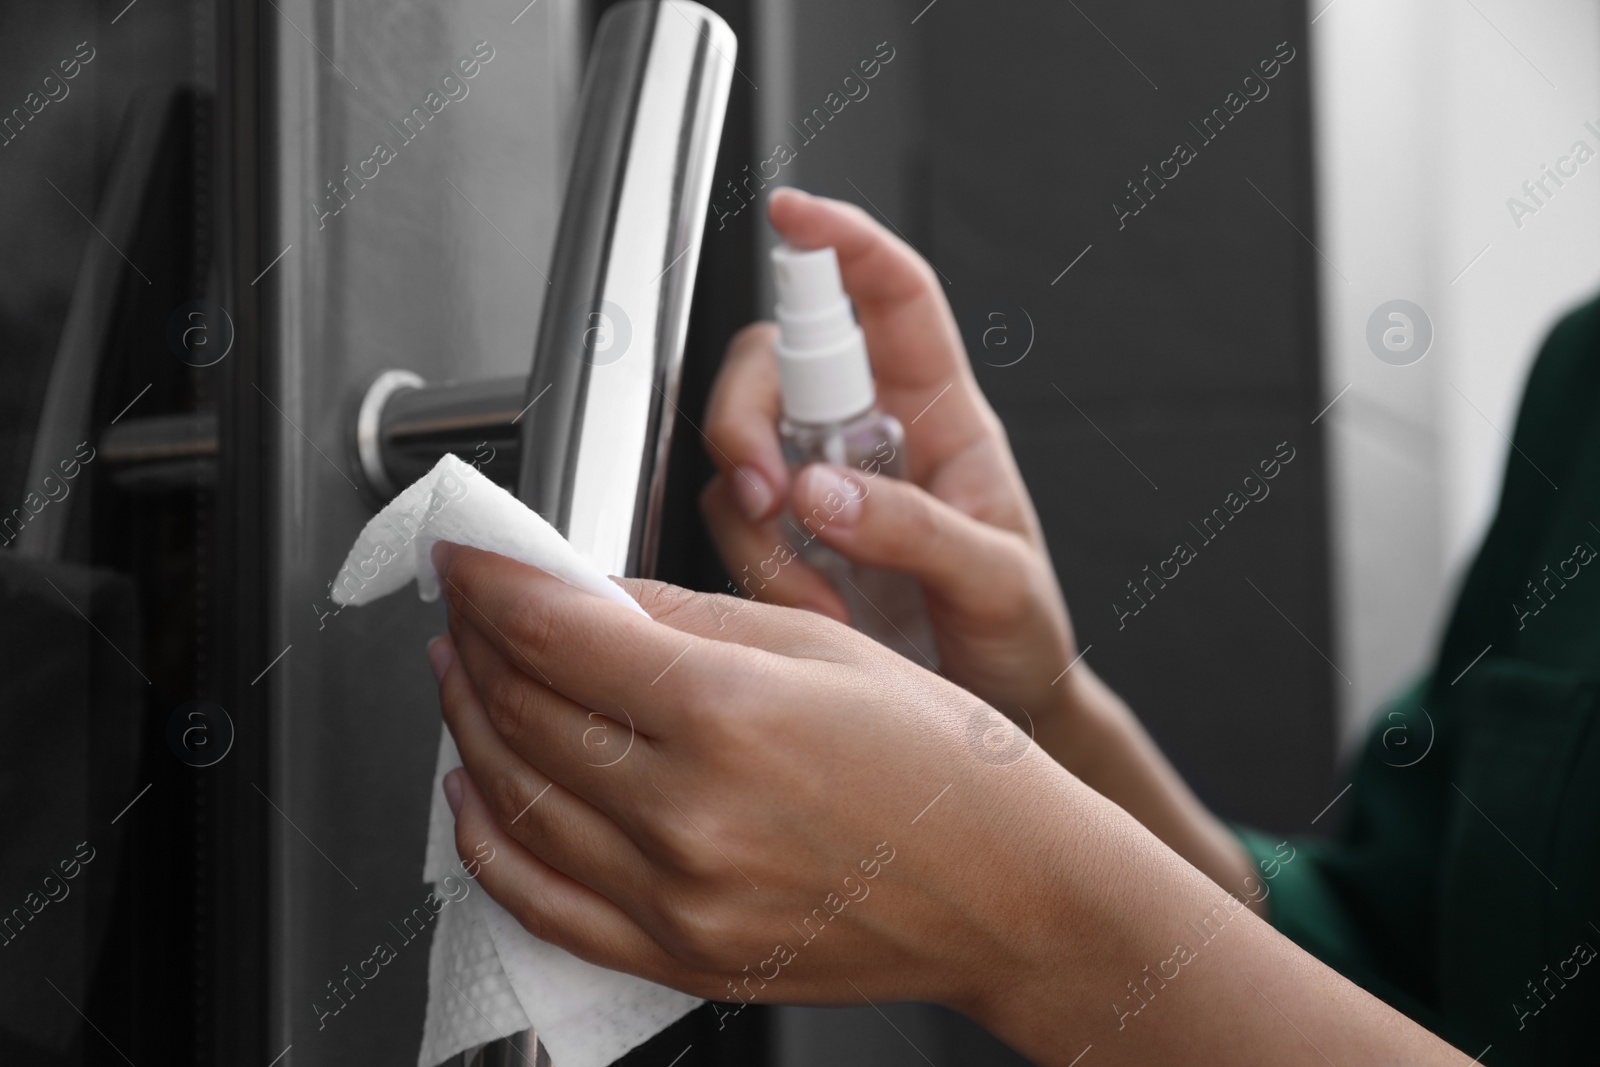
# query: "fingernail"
440,657
752,492
836,493
452,791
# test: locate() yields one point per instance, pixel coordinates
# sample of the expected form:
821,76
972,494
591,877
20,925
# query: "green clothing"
1464,885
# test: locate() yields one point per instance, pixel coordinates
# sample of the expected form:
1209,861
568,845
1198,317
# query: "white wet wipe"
487,976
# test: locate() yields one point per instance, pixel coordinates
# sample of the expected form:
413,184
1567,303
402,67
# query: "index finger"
594,652
742,422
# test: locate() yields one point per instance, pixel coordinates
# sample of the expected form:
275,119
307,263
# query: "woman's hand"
963,524
755,804
738,800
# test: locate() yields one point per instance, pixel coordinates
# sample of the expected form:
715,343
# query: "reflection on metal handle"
518,1050
605,369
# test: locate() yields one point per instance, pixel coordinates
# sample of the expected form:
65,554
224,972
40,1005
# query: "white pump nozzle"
822,355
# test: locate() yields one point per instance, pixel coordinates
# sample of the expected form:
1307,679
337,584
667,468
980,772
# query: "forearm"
1098,739
1137,954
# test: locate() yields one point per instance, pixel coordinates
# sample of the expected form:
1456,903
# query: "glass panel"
108,315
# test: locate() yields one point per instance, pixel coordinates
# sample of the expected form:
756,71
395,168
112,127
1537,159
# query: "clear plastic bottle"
830,415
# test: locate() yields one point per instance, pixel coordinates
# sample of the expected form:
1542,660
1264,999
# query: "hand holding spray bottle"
830,415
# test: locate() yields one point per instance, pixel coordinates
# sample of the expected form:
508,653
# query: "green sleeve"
1403,897
1359,900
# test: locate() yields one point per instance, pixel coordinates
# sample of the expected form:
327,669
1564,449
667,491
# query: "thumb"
897,525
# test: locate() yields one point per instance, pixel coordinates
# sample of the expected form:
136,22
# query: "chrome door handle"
587,431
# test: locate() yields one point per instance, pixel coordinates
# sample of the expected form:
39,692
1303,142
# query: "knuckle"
1013,579
532,629
504,796
675,845
699,682
1002,598
734,724
665,601
704,717
527,906
756,339
723,606
509,702
922,526
733,411
729,426
680,847
695,934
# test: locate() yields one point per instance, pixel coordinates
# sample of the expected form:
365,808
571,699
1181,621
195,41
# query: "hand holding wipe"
487,976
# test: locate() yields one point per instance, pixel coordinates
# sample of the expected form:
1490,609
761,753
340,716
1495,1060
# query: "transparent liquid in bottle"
885,605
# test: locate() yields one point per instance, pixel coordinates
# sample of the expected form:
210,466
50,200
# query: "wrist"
1051,947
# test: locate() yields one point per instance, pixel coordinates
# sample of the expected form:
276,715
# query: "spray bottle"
830,415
